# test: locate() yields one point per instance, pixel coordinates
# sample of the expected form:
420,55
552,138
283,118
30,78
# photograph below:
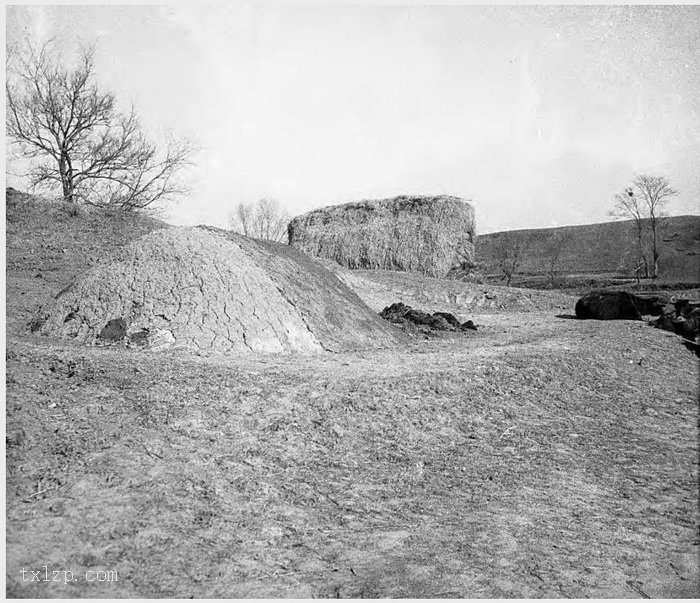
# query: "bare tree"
76,138
655,192
645,202
242,220
628,205
263,220
553,251
508,252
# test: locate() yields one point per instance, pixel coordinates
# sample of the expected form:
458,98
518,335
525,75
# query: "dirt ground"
538,457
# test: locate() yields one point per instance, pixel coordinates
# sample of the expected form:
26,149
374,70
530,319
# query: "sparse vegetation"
508,255
265,220
554,249
77,140
645,202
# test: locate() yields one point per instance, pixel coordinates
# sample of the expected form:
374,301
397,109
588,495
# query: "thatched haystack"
207,289
430,235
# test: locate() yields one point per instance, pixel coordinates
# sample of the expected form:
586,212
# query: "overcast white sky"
539,114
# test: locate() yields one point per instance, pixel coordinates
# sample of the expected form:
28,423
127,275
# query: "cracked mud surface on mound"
211,290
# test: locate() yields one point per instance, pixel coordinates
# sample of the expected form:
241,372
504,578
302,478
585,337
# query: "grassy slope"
605,248
538,457
47,247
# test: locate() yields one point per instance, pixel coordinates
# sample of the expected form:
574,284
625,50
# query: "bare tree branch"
508,251
96,155
655,193
553,250
645,202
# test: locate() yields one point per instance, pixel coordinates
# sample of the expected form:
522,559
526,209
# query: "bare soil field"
536,457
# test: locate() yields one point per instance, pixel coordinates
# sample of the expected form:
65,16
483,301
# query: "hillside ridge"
600,248
565,226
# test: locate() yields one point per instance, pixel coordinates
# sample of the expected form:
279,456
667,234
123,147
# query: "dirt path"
538,457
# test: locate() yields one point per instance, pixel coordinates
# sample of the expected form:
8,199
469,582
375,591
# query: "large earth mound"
207,289
429,235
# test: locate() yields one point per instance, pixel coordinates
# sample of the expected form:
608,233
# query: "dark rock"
684,307
419,317
395,312
114,330
650,305
400,313
665,320
450,318
617,305
439,323
682,318
688,326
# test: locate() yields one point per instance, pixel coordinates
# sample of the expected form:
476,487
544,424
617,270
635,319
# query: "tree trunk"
66,180
655,251
642,255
